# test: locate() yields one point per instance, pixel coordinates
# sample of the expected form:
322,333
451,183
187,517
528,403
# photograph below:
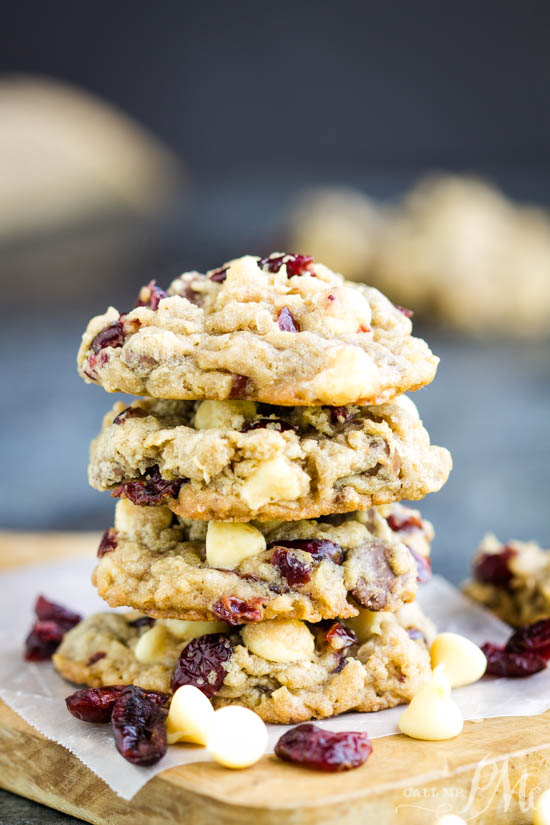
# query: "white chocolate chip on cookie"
274,479
151,646
182,629
365,624
228,543
227,414
279,640
464,661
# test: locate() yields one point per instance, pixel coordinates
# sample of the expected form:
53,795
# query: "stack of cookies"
258,535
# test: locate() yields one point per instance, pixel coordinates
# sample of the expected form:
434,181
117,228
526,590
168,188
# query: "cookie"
241,460
512,580
283,330
284,670
248,572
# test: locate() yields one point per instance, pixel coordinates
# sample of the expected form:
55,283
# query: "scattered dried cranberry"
423,566
405,523
150,296
292,569
501,662
235,611
108,542
111,336
139,727
96,704
295,264
267,423
533,638
318,548
339,415
52,622
219,275
142,621
200,663
323,750
95,657
153,489
286,321
241,387
407,312
493,568
130,412
340,637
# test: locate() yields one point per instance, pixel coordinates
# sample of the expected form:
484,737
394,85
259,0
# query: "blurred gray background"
246,104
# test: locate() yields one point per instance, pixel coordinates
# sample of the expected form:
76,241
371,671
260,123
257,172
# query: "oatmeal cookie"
284,670
242,460
284,330
246,572
512,580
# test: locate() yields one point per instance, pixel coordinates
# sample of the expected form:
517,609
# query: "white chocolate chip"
237,737
351,371
274,480
226,414
464,661
279,640
432,714
365,624
541,813
182,629
130,518
151,646
228,543
190,716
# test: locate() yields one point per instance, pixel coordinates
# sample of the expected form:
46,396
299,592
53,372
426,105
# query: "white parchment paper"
36,692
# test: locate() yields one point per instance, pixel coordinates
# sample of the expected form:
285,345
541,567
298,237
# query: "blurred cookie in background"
339,225
455,250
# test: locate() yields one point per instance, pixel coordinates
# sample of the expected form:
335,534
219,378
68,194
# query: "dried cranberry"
533,638
130,412
201,662
219,275
324,750
151,490
139,727
501,662
150,296
235,611
339,415
96,704
493,568
241,387
111,336
267,423
286,321
407,312
295,264
108,542
340,637
318,548
52,622
423,566
292,569
142,621
405,523
95,657
414,633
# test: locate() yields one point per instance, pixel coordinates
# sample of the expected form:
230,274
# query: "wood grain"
489,775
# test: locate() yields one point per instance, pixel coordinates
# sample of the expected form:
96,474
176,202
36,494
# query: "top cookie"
282,330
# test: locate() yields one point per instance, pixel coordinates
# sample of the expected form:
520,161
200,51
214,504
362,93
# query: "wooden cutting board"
490,774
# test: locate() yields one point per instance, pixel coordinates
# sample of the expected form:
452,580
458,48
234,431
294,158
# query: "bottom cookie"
512,580
287,671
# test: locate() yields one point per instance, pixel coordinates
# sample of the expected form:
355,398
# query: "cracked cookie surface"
246,572
243,460
283,330
331,669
